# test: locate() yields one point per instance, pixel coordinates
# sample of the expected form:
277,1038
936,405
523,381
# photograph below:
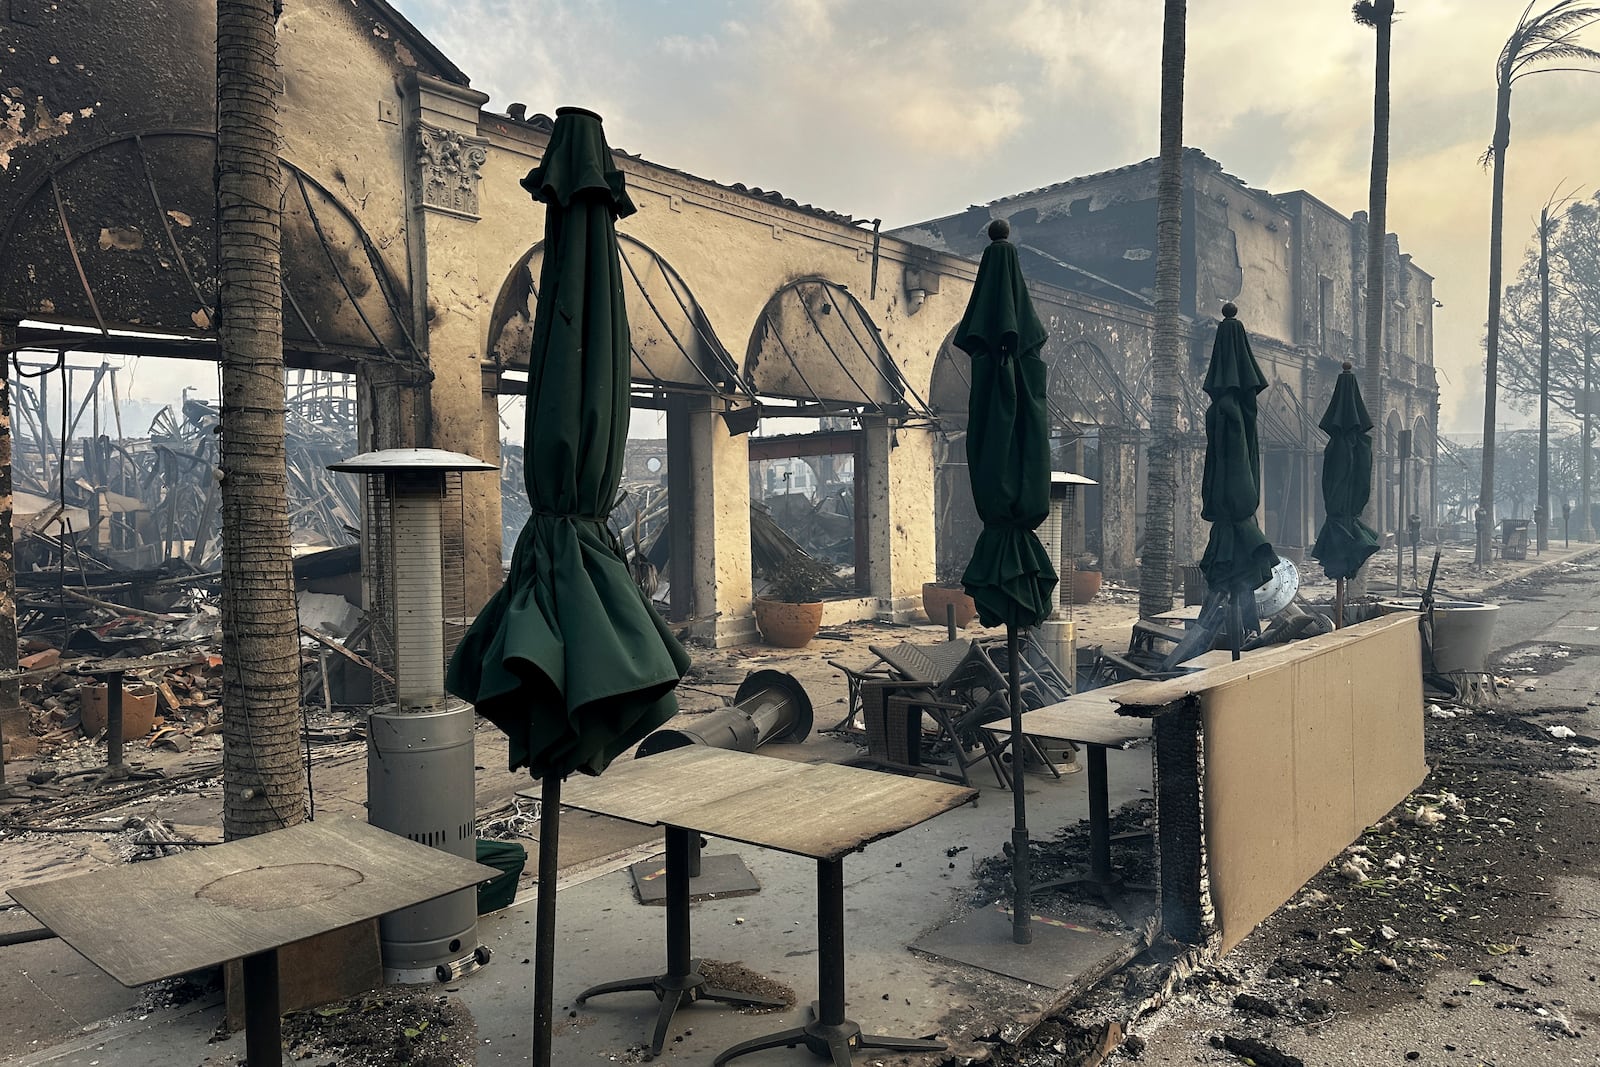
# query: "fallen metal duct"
769,706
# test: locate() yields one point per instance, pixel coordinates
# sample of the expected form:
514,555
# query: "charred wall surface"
107,152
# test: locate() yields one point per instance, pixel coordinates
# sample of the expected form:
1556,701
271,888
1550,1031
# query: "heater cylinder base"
420,786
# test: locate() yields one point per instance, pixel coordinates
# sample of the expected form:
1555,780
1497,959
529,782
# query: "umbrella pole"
544,952
1338,604
1235,624
1021,876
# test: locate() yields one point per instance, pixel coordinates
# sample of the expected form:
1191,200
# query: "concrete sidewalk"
897,890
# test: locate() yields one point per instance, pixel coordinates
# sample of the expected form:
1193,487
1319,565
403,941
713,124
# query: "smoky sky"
910,109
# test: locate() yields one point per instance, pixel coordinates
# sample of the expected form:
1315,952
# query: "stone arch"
1288,492
1389,514
674,347
815,342
1087,389
1085,422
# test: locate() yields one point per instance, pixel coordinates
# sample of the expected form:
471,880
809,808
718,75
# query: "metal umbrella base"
829,1034
683,983
833,1041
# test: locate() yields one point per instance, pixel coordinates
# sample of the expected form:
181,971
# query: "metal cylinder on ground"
416,762
769,706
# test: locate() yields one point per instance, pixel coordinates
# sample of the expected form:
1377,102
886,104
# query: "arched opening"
1391,516
1287,437
815,344
677,361
1094,417
815,355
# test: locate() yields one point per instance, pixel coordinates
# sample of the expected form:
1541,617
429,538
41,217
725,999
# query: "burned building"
411,255
1297,269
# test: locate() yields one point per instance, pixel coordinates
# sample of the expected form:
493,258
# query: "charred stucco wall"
129,146
736,253
1327,308
1243,253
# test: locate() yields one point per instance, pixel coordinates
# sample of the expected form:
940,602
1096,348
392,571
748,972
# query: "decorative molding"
447,170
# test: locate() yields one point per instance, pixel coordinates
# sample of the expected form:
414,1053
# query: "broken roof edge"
414,38
543,124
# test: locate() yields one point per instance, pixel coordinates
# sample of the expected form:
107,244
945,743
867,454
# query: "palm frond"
1548,37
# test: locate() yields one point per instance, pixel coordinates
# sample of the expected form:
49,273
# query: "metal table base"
829,1034
683,983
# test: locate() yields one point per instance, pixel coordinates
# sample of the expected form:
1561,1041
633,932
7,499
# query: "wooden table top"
821,811
1089,718
145,921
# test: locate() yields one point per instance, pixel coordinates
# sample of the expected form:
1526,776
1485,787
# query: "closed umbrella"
1345,542
569,658
1238,559
1010,576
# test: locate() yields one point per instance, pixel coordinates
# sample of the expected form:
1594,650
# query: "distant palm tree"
1544,42
263,784
1155,570
1378,14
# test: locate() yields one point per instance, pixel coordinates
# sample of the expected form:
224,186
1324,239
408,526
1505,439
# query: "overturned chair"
959,703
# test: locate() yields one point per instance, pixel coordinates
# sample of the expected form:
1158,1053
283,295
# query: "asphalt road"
1538,1004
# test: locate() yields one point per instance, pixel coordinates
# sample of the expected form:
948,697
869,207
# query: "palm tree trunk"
1491,348
1155,572
1382,15
262,779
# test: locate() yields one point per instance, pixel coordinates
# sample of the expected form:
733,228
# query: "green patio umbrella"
1010,576
1345,542
569,658
1238,559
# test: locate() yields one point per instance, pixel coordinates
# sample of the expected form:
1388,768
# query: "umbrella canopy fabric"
1238,557
1345,542
1010,576
569,658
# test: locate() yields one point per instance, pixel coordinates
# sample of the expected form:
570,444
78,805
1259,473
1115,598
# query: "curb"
1539,569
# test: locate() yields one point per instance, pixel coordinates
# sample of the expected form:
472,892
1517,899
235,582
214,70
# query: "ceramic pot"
788,625
138,709
1081,588
935,597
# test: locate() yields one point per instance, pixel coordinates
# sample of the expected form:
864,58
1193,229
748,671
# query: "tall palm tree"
263,787
1543,42
1378,14
1155,572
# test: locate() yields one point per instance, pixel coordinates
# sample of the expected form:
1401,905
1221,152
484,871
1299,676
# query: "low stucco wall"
1279,761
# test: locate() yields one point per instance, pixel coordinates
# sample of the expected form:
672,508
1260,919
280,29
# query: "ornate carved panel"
447,170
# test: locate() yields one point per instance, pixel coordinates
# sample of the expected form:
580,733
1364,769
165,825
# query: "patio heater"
419,738
1057,533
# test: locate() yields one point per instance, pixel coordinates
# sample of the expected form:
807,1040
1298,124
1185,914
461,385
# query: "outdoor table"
1090,719
243,900
750,798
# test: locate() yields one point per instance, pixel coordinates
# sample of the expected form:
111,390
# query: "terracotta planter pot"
1081,588
138,709
935,597
788,625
